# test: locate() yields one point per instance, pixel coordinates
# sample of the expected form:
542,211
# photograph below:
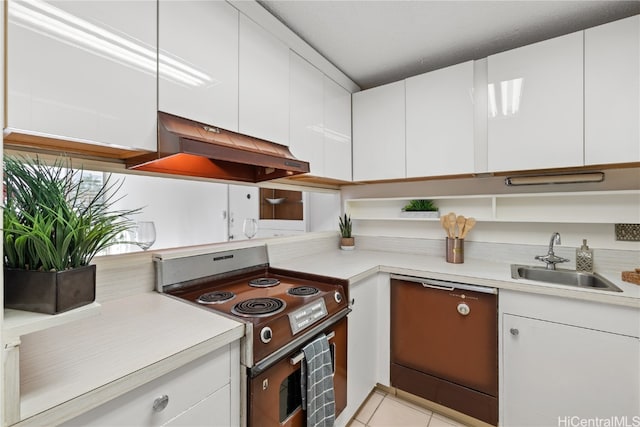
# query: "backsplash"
129,274
628,232
604,259
303,245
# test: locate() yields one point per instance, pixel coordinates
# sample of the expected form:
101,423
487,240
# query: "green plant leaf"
50,220
420,205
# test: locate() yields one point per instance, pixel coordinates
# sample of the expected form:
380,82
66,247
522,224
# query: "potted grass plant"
53,226
347,242
420,208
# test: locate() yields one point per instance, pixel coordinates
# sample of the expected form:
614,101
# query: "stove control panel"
307,315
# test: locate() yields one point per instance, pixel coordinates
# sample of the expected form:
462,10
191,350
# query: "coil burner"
264,282
259,307
303,291
216,297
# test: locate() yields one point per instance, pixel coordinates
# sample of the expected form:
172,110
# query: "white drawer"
215,410
185,387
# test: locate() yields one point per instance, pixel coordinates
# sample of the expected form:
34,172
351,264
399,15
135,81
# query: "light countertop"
358,264
71,368
67,369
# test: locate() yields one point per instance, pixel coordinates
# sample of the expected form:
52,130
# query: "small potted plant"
347,242
52,228
420,208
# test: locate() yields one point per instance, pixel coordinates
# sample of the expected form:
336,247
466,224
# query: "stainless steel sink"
575,278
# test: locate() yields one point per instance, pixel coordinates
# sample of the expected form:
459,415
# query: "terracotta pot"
49,292
347,243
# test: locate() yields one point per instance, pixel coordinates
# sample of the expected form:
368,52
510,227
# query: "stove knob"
266,334
338,297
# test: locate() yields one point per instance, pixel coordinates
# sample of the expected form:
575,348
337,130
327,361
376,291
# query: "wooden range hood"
186,147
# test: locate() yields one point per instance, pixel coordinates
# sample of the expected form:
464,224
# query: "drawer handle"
514,332
160,403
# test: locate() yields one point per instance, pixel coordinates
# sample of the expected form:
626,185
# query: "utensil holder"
455,250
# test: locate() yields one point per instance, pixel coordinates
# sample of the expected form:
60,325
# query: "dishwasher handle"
444,285
426,283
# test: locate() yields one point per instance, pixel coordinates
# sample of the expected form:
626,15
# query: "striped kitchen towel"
317,383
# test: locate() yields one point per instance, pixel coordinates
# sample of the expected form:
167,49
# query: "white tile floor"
385,410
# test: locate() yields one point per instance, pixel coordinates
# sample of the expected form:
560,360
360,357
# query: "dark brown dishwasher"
444,344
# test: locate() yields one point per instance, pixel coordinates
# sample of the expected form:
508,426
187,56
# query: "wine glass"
250,227
144,234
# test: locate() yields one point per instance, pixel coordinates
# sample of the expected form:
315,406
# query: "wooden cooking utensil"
451,216
468,225
444,221
460,222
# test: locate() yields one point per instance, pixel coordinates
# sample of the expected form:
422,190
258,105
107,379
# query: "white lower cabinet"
362,345
368,341
204,392
560,373
201,414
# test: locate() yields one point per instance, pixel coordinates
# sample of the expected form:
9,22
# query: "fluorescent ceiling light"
568,178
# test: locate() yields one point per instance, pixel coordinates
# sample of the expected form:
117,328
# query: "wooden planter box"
49,292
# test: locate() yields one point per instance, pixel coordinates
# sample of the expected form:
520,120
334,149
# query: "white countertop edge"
100,395
18,322
525,286
238,244
355,266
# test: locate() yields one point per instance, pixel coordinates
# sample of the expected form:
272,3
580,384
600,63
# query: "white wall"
188,213
323,211
185,212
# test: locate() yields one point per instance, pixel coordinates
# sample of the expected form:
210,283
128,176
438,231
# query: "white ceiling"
377,42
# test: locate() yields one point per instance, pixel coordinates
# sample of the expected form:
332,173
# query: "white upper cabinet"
535,98
198,61
306,115
440,126
320,121
612,92
337,131
379,133
83,71
264,84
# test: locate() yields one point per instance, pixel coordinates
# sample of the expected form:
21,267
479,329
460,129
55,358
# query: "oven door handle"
300,356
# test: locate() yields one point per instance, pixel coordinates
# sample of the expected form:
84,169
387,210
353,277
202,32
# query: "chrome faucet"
550,258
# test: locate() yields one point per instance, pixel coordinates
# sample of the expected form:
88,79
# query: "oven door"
274,396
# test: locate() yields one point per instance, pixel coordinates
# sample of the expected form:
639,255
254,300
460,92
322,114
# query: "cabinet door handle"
514,332
160,403
353,301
